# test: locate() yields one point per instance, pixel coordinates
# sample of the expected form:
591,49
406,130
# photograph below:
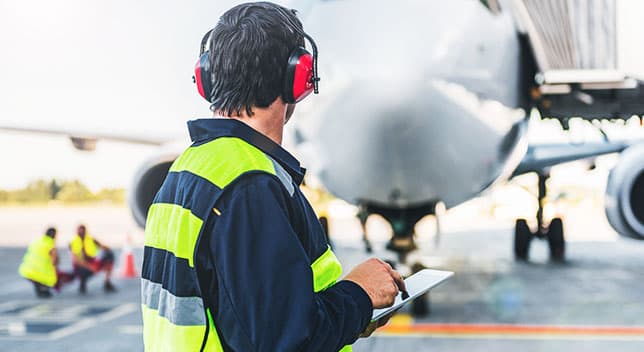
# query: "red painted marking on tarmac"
509,329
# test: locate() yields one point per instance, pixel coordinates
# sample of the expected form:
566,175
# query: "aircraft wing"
542,156
86,141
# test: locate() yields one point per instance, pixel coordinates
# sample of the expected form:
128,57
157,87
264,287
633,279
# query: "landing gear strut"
363,215
553,233
402,221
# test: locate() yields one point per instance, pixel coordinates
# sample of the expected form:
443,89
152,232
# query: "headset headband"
204,41
295,28
314,47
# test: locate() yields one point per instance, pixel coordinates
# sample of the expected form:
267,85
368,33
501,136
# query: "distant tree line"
68,192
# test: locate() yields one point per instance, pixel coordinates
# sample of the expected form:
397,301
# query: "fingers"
379,280
400,283
398,280
391,293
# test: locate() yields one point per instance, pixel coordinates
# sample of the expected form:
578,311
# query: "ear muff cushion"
299,76
203,77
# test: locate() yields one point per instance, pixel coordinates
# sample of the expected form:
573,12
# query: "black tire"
522,238
420,306
556,240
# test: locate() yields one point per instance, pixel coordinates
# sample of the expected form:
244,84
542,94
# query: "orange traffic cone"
127,261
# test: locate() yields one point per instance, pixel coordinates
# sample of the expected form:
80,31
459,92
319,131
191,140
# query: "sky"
122,67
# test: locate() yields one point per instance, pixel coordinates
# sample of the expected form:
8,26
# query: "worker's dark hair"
51,232
249,52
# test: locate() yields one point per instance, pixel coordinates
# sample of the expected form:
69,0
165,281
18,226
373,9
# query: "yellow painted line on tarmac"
401,320
403,325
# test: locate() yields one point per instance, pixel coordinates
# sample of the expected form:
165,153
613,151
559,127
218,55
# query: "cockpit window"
492,5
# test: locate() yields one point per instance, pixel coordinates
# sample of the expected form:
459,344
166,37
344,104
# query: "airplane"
424,105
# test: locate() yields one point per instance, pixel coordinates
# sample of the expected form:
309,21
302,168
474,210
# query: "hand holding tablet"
379,281
416,285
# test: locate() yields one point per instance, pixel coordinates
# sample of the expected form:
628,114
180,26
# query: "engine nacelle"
147,183
625,194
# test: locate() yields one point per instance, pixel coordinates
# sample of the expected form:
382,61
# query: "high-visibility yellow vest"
37,264
174,313
88,244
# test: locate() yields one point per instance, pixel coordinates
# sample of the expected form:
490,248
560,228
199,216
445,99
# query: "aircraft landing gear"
553,233
363,215
402,242
420,307
522,238
402,221
556,240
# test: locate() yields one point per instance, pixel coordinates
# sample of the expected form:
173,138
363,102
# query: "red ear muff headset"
202,77
301,76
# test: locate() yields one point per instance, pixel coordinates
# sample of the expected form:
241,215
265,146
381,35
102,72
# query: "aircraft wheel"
522,238
420,306
556,240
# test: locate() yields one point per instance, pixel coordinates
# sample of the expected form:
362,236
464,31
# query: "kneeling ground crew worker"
39,265
84,250
235,258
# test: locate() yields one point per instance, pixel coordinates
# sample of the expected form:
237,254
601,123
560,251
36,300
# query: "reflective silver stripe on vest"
283,175
178,310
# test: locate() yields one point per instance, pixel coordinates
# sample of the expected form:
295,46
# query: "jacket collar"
207,129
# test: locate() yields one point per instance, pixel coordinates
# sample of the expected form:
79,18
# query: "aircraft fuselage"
418,103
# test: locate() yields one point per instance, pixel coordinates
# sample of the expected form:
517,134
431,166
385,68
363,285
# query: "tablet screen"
416,284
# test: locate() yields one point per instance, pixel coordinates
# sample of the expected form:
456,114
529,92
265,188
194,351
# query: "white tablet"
416,285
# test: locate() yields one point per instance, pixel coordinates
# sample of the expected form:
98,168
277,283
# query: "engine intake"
625,194
147,183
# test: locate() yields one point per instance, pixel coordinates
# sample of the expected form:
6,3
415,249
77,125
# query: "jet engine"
147,182
625,194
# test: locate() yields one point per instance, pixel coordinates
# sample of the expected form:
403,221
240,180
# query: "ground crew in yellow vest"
235,258
87,262
40,262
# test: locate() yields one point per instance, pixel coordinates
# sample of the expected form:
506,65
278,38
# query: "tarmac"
593,302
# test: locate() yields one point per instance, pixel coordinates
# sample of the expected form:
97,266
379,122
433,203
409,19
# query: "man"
39,265
235,258
84,250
